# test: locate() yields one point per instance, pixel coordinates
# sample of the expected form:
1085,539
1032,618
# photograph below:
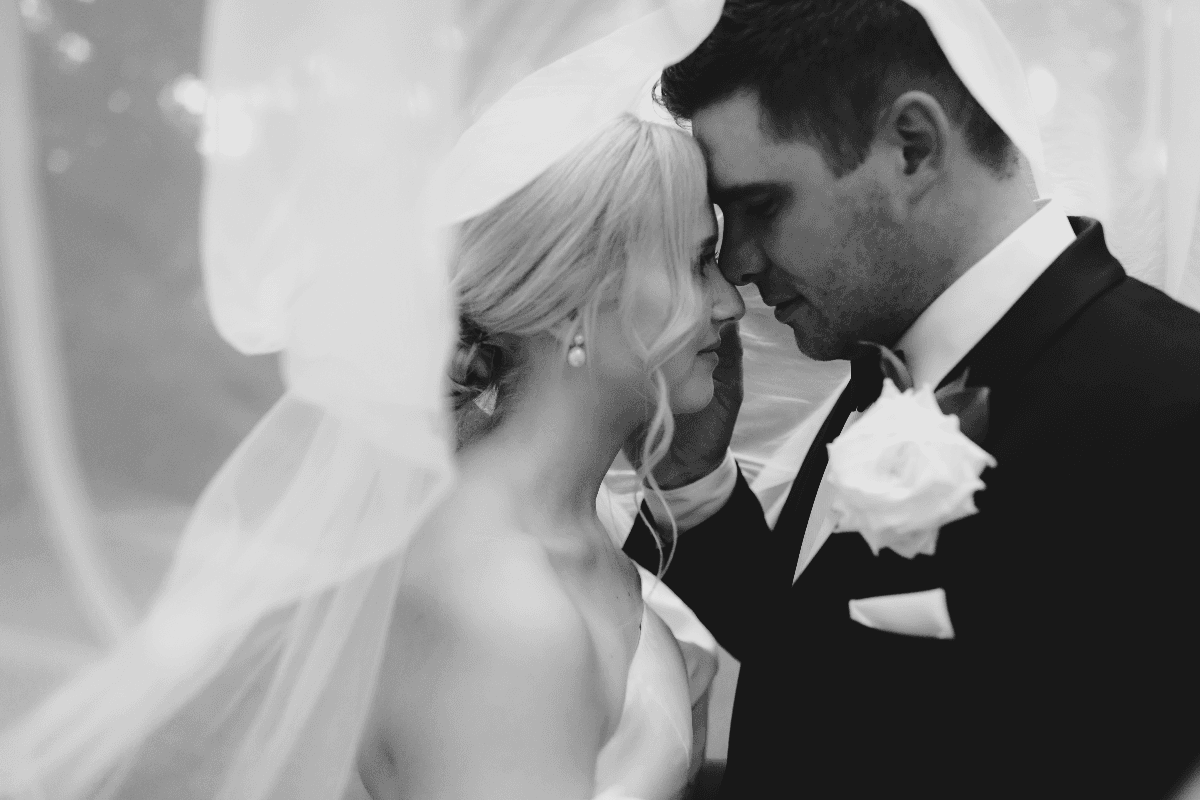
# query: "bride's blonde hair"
546,259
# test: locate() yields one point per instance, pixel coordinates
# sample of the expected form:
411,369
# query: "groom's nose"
741,260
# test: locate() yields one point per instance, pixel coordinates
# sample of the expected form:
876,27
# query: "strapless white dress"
649,756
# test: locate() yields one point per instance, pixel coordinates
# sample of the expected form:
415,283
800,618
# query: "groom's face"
825,251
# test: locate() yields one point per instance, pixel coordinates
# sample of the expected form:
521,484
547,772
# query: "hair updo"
548,257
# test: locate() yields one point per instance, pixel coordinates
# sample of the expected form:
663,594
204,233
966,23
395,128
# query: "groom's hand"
702,438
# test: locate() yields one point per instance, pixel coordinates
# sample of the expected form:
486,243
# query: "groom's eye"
762,209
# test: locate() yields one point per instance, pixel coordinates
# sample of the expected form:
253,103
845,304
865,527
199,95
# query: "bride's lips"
709,352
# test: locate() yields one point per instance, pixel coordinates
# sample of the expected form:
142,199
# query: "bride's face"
688,373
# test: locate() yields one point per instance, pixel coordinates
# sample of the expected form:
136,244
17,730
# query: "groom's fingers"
727,377
731,341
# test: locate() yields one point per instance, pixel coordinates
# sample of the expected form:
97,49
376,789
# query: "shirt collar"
961,316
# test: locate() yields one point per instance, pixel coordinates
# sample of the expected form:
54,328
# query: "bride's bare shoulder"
472,573
485,639
483,585
472,543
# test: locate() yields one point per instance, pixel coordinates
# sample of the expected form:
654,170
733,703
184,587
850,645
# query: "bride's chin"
694,395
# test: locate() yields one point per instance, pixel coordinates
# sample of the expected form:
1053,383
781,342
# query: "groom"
1047,647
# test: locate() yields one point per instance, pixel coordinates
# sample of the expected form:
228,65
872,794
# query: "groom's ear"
916,130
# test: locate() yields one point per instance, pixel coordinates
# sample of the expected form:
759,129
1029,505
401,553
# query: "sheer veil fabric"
252,673
255,666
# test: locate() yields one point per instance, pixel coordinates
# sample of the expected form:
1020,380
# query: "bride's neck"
556,442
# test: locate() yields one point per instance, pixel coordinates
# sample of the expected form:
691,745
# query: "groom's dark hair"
824,70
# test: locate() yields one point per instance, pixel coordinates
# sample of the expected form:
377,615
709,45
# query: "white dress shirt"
944,333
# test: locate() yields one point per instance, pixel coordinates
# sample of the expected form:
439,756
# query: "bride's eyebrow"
706,247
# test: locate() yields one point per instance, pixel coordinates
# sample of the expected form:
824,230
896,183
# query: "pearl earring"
577,356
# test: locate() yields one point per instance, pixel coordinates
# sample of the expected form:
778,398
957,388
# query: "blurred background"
118,400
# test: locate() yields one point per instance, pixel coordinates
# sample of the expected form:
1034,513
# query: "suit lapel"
1083,272
793,519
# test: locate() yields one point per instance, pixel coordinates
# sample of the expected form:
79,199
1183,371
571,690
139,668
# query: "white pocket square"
912,614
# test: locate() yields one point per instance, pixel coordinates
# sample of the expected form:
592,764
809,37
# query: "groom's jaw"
816,336
791,312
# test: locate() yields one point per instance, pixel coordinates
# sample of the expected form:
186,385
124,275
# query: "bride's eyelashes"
707,257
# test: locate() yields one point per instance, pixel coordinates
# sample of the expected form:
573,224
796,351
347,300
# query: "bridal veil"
252,673
255,664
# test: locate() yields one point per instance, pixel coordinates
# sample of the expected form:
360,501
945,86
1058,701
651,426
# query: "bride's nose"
727,303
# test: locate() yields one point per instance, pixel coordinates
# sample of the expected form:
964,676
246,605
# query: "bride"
342,593
591,305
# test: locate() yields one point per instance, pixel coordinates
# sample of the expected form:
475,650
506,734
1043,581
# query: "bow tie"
868,371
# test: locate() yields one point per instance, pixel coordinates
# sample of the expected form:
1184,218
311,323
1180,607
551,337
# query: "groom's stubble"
837,256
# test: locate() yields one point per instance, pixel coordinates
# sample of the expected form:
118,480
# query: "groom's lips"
784,309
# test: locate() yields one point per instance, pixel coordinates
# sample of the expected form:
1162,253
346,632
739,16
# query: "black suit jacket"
1074,592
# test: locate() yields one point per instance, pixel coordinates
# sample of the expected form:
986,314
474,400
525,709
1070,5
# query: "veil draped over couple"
499,246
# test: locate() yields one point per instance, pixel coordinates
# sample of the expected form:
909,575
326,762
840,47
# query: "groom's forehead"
744,159
732,140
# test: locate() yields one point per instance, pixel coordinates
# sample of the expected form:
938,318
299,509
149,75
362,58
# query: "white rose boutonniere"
903,470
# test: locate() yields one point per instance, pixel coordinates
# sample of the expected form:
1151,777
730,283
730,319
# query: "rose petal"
902,471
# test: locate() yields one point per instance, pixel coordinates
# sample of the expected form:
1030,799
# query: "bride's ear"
915,132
